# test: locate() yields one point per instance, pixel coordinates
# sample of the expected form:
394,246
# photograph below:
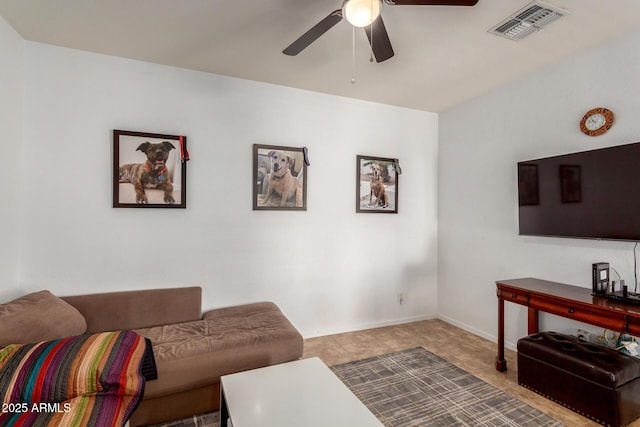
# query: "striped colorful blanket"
85,380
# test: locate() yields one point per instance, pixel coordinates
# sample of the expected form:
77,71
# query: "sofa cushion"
114,311
228,340
39,316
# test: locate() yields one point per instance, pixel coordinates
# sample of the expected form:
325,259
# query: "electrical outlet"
400,297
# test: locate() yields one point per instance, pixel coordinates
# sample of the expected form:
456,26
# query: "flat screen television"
591,194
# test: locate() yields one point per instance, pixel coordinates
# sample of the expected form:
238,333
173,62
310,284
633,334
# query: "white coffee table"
296,394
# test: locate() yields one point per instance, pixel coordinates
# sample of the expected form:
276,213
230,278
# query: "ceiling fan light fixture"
361,13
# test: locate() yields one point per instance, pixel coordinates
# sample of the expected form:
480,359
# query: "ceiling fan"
365,14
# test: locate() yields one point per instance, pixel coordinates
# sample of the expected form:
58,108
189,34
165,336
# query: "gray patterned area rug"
417,388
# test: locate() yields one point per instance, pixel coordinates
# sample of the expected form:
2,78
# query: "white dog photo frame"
279,173
164,184
376,185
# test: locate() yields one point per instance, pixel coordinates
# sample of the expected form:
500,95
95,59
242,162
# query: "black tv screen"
591,194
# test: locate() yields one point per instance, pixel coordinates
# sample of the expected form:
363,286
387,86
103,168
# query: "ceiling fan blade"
432,2
380,44
310,36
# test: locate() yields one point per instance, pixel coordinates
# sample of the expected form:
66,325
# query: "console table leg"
501,363
532,321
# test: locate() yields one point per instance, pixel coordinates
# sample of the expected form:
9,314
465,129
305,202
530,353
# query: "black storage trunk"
593,380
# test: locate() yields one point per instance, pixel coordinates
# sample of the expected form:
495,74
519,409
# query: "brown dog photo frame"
149,170
279,178
376,185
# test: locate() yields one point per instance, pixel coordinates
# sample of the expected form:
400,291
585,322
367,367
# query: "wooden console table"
563,300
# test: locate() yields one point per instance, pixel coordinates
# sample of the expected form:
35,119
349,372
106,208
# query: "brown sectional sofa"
191,350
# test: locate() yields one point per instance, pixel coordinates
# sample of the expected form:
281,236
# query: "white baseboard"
383,323
476,331
369,325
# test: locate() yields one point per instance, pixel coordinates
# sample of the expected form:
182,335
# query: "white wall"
328,268
11,62
480,144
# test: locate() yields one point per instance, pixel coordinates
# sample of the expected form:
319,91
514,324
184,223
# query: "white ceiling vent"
528,20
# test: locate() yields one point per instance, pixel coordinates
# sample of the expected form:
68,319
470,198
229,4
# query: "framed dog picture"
376,185
149,170
279,178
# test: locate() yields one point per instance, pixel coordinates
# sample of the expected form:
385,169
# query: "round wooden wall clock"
597,121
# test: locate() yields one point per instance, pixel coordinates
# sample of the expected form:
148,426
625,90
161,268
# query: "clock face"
596,121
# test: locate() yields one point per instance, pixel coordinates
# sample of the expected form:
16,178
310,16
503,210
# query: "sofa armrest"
114,311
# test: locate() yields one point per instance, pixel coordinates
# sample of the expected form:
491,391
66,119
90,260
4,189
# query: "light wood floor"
470,352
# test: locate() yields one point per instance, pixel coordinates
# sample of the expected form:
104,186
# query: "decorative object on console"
624,295
600,277
376,184
279,178
597,121
149,170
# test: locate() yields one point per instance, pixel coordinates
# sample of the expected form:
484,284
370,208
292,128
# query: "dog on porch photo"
152,174
377,188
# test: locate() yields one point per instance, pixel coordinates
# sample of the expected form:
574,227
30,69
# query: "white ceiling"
443,55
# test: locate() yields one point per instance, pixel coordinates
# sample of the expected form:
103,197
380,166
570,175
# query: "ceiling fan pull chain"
353,55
